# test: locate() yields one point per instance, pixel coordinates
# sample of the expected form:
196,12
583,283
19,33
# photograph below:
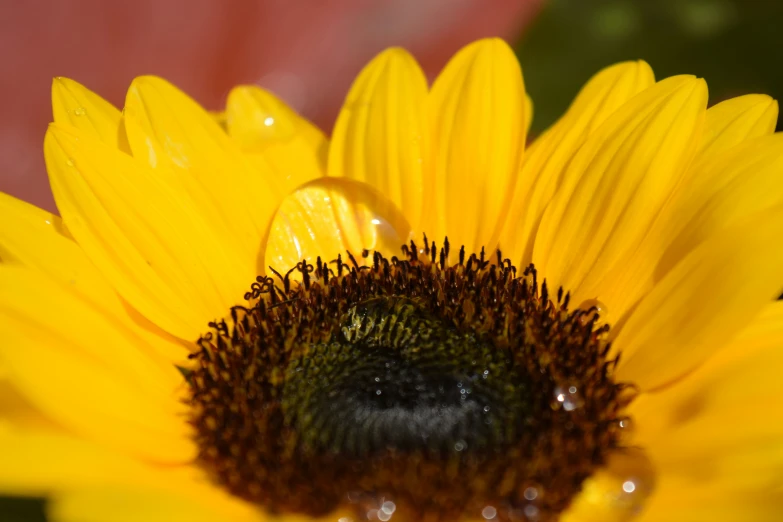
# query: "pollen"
445,391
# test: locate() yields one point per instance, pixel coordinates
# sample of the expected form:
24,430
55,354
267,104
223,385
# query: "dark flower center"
441,391
398,378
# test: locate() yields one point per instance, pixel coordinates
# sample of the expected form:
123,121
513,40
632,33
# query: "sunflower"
420,318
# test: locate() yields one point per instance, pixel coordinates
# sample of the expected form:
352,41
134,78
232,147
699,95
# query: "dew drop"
269,121
617,491
69,162
79,111
568,398
489,512
388,507
625,431
531,512
599,309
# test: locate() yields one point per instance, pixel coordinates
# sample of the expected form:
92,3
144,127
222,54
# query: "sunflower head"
600,368
441,389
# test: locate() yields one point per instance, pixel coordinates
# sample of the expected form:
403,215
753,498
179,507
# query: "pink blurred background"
305,51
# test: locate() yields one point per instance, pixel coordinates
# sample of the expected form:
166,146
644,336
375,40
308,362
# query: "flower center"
407,387
397,378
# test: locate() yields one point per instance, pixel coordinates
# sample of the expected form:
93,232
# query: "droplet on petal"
336,216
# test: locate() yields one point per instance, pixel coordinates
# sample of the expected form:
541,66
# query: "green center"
396,377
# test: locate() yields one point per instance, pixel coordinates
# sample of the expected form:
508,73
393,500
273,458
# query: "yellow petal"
736,120
38,463
266,128
145,238
380,135
220,118
618,182
38,241
330,216
702,303
137,504
717,193
69,471
168,130
678,501
116,396
733,398
545,162
17,411
476,113
75,105
739,383
528,113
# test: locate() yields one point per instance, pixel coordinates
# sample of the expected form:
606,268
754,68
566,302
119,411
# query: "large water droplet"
326,217
617,492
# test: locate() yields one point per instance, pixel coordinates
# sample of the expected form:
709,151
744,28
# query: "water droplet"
626,431
378,392
269,121
376,221
69,162
388,507
79,111
618,490
531,493
486,409
489,512
460,445
568,398
599,311
531,512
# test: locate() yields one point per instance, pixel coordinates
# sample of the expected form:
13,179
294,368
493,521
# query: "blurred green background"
733,44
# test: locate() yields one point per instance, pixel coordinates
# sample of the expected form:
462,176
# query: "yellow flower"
663,214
